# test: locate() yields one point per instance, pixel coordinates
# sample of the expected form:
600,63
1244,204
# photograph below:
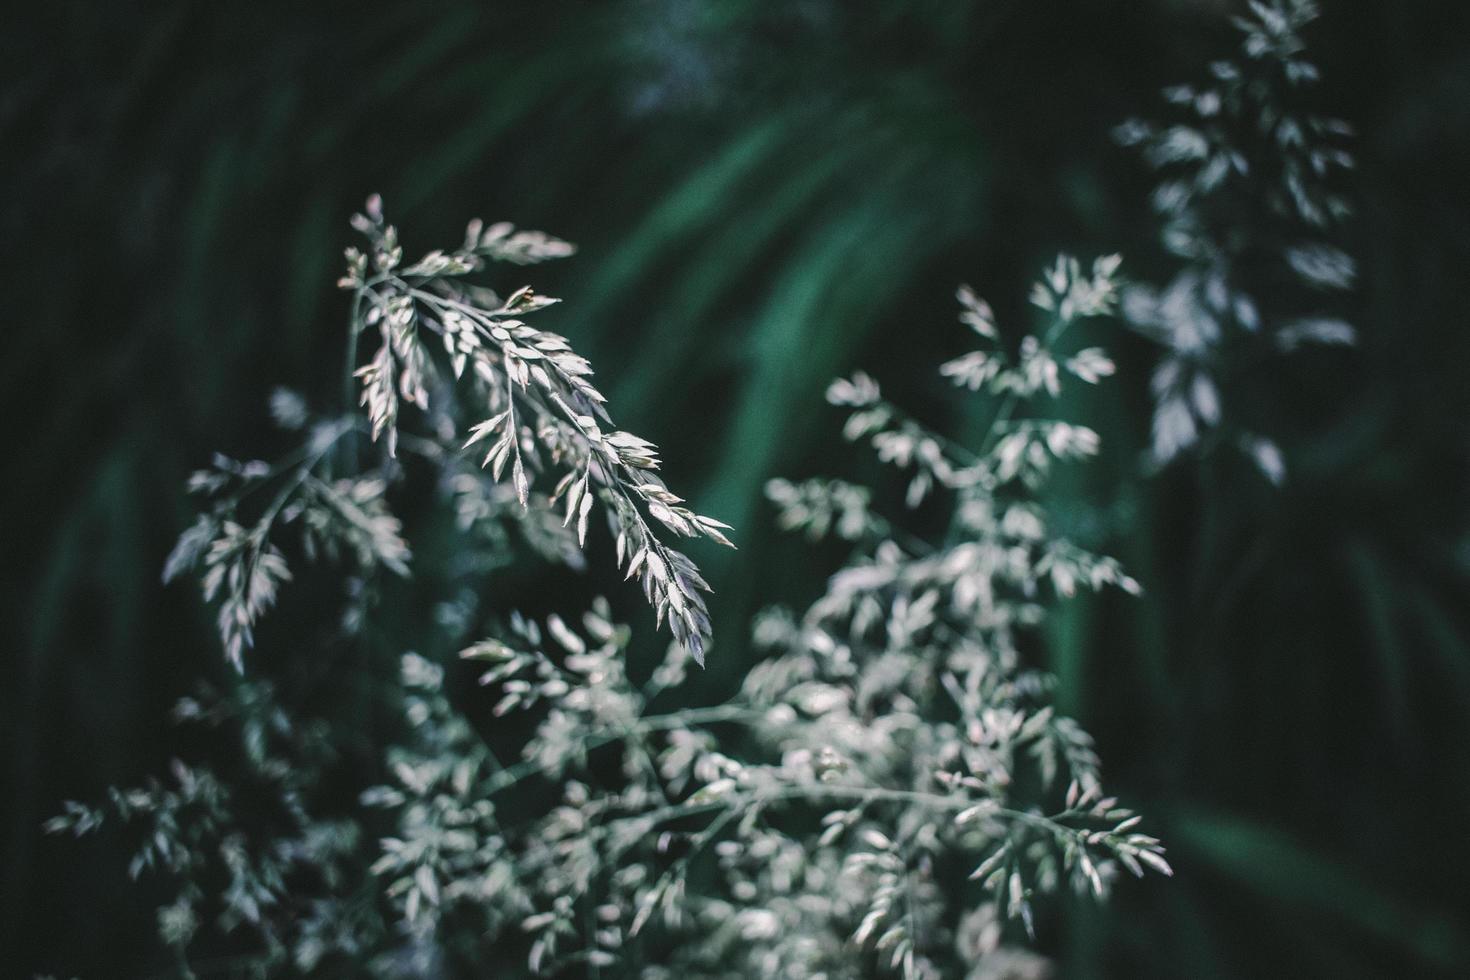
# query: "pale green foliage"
822,506
890,787
541,410
893,736
249,857
1249,199
448,852
243,564
544,415
901,695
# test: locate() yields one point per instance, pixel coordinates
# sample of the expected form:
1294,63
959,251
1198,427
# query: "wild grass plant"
891,790
1249,199
818,821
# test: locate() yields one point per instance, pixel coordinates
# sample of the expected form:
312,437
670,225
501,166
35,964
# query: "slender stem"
735,712
511,775
349,376
699,716
303,473
261,531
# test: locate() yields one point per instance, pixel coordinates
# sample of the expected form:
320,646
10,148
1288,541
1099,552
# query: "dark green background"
765,195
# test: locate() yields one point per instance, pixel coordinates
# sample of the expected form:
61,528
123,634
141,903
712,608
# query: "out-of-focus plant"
257,858
1249,197
888,788
251,857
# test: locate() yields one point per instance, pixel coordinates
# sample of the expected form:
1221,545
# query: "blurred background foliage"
764,196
